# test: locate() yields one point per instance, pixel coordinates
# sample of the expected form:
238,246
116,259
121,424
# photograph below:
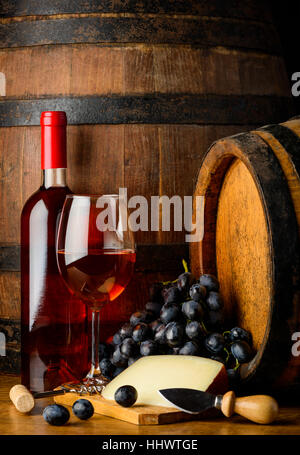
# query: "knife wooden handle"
21,398
258,408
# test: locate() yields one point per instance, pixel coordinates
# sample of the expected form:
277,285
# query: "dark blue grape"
194,330
239,334
210,282
155,325
197,292
117,339
131,360
136,318
125,331
214,320
170,312
174,334
190,348
128,347
241,351
160,335
83,409
141,332
56,415
233,376
172,295
117,371
148,316
193,310
185,281
118,359
214,343
148,347
141,316
107,368
105,350
126,396
214,301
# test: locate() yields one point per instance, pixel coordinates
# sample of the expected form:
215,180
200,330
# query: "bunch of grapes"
182,317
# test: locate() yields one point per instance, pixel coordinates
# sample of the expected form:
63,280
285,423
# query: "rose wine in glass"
96,257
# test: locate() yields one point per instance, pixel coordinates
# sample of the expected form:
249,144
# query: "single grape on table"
83,409
126,396
56,414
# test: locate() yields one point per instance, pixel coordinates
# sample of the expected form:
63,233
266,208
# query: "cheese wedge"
152,373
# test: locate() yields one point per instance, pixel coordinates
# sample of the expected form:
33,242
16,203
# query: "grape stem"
204,328
228,355
168,282
237,364
186,269
185,266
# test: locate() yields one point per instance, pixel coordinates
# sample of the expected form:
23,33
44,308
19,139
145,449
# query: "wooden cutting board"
139,415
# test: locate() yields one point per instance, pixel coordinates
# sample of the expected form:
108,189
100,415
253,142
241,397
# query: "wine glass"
96,256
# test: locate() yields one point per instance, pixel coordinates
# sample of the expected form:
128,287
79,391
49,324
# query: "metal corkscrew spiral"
82,388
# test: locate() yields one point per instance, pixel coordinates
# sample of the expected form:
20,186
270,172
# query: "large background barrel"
251,185
147,87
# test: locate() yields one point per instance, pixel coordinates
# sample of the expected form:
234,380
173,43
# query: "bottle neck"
54,177
53,147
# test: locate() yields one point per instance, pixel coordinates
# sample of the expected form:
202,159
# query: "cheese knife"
257,408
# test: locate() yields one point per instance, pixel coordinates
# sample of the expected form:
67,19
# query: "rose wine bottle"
54,345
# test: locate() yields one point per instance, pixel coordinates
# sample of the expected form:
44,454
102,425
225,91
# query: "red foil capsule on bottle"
53,140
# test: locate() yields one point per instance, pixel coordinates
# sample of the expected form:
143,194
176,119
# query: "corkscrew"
24,400
81,388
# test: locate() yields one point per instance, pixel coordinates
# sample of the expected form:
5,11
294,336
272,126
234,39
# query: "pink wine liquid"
54,324
100,275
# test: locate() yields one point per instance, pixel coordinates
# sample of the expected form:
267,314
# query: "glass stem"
95,368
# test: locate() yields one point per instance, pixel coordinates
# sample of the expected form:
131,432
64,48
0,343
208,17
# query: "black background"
287,20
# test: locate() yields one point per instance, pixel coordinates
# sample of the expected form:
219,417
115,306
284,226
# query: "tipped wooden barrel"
147,87
251,186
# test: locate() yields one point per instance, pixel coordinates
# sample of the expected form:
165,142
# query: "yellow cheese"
152,373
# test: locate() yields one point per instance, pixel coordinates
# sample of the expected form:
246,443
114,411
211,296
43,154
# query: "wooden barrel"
146,86
251,186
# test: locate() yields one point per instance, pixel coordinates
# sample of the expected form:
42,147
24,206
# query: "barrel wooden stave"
89,70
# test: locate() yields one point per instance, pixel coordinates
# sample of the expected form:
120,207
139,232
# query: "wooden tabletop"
14,423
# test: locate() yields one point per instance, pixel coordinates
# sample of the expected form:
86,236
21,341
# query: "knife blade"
191,401
257,408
